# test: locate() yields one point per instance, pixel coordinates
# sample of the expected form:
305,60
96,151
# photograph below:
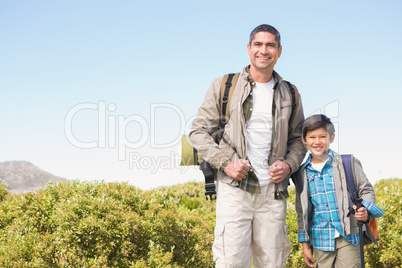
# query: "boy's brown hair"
317,121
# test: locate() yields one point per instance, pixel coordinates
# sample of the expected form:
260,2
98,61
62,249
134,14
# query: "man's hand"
279,171
238,169
308,255
361,214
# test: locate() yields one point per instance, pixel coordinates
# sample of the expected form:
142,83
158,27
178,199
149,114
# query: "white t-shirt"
259,131
318,166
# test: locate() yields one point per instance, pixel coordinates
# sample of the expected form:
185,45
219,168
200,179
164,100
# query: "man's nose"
264,50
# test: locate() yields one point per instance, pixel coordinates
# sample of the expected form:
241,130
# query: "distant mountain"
22,176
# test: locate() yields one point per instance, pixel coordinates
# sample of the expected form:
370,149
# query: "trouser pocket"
218,246
286,244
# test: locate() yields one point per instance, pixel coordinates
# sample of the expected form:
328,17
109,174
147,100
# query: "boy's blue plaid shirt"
325,218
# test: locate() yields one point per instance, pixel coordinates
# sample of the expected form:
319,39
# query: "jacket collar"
277,78
307,160
246,72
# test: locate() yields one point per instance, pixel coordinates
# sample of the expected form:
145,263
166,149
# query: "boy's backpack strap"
371,233
347,166
227,87
297,180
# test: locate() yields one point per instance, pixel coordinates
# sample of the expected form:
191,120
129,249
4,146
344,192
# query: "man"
260,148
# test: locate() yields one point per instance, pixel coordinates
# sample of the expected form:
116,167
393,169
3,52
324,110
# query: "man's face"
264,51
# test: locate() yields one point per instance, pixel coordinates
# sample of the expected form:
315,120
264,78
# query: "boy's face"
318,142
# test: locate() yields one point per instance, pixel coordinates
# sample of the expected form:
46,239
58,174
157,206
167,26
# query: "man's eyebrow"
269,43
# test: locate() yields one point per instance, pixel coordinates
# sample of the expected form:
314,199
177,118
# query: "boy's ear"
333,138
302,138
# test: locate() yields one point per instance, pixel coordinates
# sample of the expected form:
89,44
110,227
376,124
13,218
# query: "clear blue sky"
101,90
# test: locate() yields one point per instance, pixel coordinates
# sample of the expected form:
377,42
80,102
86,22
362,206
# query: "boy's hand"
279,171
238,169
308,255
361,214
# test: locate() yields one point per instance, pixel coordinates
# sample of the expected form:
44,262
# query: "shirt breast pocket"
286,108
312,186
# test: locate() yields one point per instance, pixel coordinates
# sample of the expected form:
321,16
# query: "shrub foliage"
101,225
97,224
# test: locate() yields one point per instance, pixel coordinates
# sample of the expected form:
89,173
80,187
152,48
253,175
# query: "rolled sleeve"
374,210
302,237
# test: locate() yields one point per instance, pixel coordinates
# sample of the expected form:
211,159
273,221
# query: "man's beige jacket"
286,144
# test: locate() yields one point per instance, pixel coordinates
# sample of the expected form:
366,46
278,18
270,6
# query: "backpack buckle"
210,191
228,83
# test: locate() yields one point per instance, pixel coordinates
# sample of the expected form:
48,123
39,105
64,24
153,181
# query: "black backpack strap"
195,153
227,89
293,94
225,99
209,180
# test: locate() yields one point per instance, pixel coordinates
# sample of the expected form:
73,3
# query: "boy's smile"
317,142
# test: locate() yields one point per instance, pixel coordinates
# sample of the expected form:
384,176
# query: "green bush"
3,190
295,258
82,224
388,252
100,225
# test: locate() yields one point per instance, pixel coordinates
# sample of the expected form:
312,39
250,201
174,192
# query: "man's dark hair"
317,121
266,28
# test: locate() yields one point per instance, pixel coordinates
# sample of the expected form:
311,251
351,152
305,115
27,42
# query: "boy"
322,206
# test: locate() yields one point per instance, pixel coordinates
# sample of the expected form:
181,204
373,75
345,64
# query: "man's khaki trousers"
250,226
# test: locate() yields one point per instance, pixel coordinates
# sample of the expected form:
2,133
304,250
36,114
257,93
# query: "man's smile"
263,57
